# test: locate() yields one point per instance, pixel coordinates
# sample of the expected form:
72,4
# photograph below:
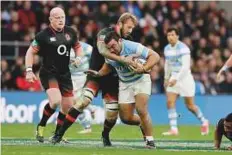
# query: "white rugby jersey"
177,61
84,56
125,74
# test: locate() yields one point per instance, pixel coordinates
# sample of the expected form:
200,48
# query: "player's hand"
30,77
76,62
92,73
219,75
172,83
128,60
138,68
165,84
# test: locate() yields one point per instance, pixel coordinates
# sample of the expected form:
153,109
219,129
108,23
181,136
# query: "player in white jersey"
78,65
225,67
134,84
178,80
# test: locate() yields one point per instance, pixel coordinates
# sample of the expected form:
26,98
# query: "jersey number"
62,50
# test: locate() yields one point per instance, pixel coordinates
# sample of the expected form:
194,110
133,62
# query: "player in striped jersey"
134,84
178,80
78,65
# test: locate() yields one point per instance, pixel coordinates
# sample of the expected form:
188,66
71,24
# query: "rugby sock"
108,126
47,113
149,138
69,120
59,121
199,114
172,115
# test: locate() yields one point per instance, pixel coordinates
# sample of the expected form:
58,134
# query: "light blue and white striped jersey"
84,56
128,48
173,57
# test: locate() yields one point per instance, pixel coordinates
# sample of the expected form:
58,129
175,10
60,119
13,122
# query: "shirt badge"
67,36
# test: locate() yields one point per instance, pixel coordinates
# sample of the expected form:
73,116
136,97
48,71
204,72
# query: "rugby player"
108,84
224,127
134,85
178,80
54,44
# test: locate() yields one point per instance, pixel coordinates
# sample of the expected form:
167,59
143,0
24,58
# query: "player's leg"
189,101
83,119
90,90
51,86
109,87
142,91
172,114
127,106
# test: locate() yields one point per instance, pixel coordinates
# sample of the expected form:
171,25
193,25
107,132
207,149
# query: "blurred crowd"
206,29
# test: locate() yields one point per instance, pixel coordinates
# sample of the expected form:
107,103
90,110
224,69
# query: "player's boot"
63,140
205,128
171,132
106,139
57,137
85,131
39,133
150,144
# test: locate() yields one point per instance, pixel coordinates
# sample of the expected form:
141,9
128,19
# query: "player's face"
127,27
228,126
114,47
58,20
172,37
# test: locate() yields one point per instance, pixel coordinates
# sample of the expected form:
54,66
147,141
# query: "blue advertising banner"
27,107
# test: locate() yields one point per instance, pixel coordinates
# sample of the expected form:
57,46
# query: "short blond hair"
125,16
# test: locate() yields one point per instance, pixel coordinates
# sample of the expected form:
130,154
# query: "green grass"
18,139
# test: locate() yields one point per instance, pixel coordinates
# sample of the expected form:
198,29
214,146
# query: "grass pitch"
18,139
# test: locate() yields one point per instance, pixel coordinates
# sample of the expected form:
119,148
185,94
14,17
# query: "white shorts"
185,87
128,91
78,83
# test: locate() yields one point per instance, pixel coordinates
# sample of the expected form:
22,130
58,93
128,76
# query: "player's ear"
50,19
120,25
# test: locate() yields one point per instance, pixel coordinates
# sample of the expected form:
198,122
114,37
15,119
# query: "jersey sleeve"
37,42
142,51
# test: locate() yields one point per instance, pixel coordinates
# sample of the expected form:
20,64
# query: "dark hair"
173,29
111,35
229,118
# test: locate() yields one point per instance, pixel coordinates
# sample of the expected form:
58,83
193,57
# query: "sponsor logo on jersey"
52,39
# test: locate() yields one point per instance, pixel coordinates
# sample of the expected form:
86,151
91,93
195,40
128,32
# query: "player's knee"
111,116
126,119
142,112
84,100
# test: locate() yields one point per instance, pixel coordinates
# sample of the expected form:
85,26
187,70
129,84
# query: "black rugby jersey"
54,47
221,130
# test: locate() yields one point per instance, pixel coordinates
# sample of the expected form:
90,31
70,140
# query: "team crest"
67,36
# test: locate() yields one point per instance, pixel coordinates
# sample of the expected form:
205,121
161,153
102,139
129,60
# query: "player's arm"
104,51
33,49
152,59
218,135
225,67
149,55
105,70
185,60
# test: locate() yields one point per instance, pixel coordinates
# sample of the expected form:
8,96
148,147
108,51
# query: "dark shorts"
108,85
56,80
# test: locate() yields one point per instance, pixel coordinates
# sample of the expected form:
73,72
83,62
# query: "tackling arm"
104,51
